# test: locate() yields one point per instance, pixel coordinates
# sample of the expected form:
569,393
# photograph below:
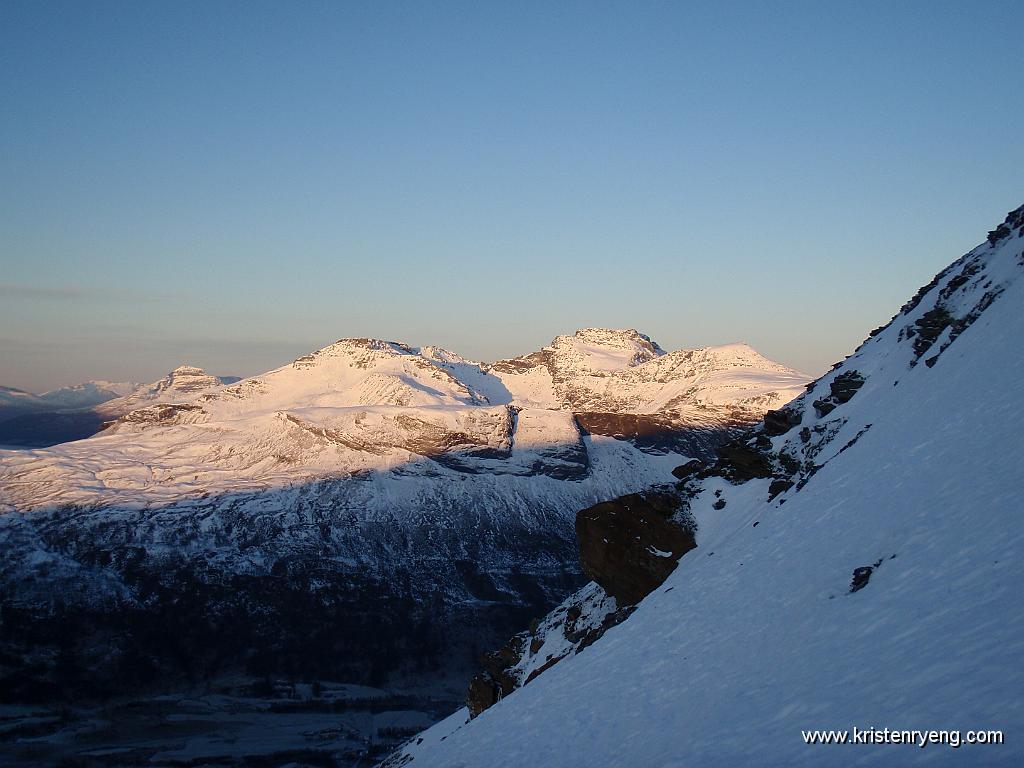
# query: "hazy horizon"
233,186
152,372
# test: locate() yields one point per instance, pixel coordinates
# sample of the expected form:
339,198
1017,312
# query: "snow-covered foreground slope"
879,590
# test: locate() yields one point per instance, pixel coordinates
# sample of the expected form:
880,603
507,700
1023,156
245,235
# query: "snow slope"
759,633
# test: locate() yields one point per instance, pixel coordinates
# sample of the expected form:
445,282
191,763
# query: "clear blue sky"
235,184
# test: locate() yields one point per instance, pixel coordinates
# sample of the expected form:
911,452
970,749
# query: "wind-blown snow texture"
758,635
367,500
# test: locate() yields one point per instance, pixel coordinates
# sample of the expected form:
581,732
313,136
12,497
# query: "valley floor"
330,724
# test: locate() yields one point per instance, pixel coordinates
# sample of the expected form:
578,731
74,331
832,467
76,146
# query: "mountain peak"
607,349
360,345
737,349
616,337
187,370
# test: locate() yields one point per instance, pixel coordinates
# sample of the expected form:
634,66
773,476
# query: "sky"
232,185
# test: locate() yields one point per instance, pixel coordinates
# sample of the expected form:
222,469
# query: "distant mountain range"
78,411
368,511
368,404
84,395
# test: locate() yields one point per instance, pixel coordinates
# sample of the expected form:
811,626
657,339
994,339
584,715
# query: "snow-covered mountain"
87,394
182,384
10,397
57,416
81,410
363,404
857,563
366,510
624,372
84,395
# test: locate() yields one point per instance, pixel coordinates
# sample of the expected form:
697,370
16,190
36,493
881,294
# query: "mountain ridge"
358,393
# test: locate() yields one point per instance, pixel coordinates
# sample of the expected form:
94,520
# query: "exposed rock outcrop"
780,422
497,678
631,544
841,390
653,434
570,628
1014,221
742,460
628,546
175,413
778,486
928,327
690,468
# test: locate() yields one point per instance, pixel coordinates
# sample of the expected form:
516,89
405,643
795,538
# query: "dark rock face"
842,389
496,680
861,577
1014,220
483,693
652,434
569,629
780,422
778,486
740,461
946,320
928,328
689,469
845,386
630,545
